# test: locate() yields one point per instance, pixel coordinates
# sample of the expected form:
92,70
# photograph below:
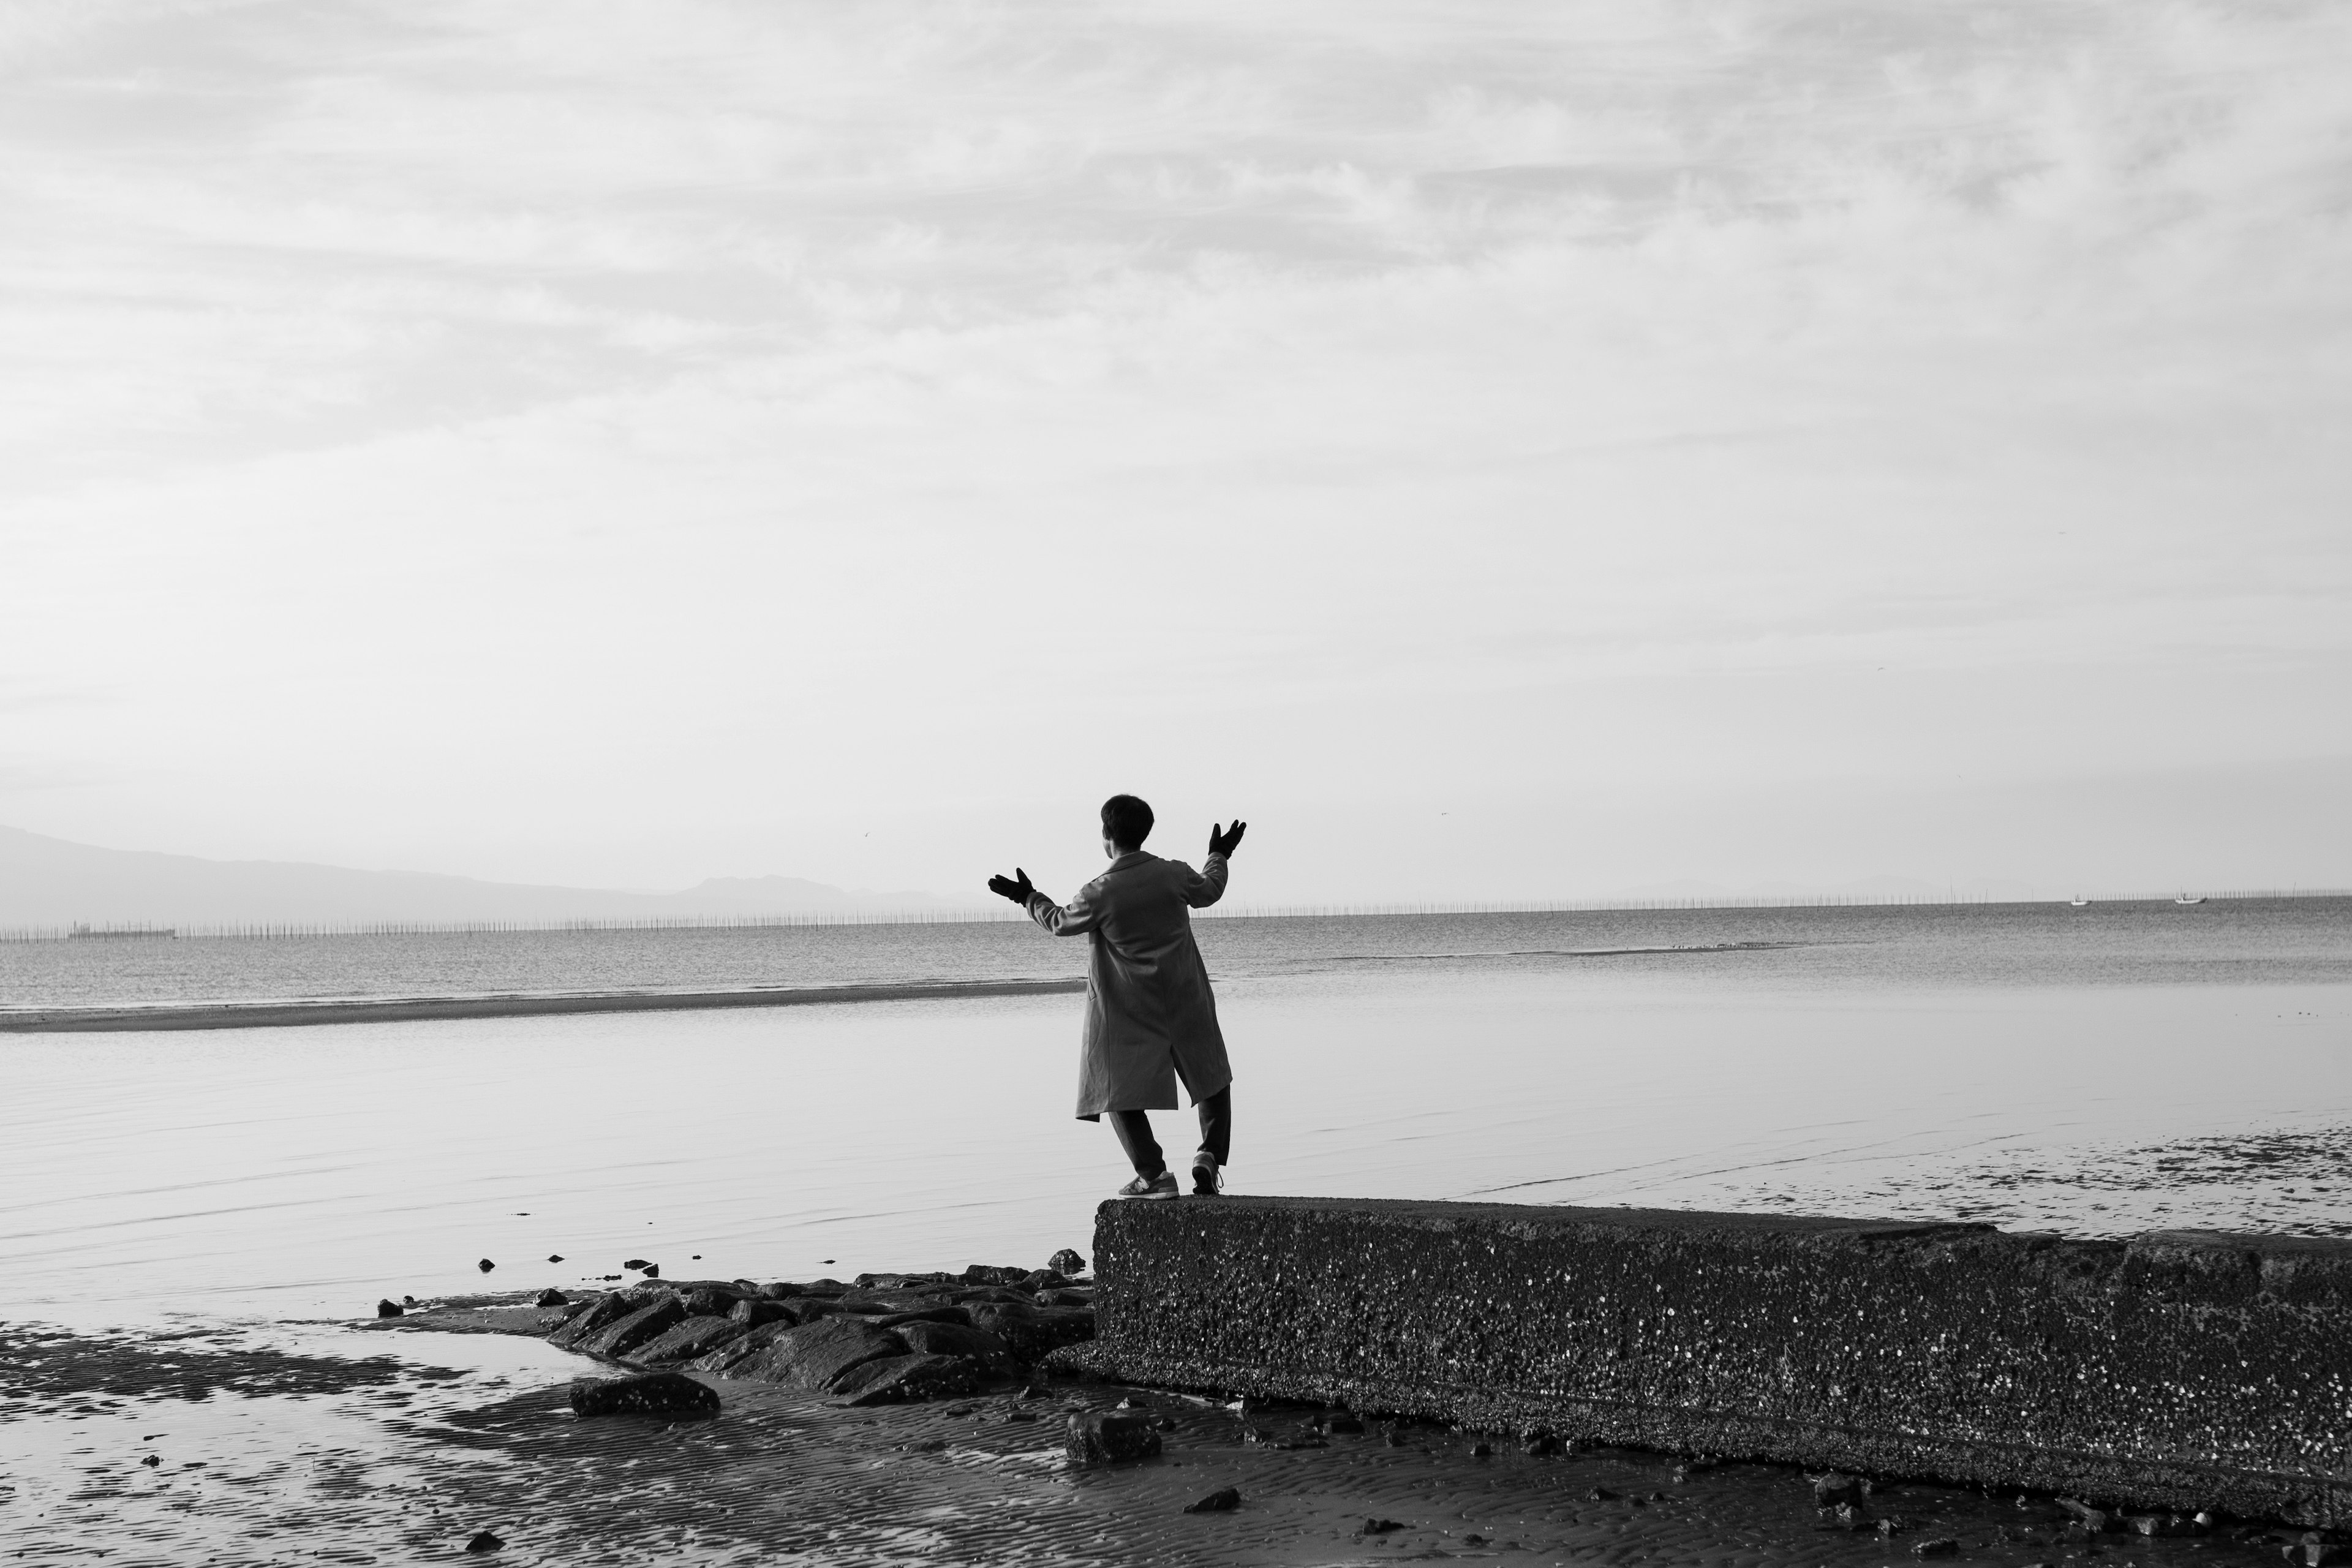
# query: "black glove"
1221,843
1006,888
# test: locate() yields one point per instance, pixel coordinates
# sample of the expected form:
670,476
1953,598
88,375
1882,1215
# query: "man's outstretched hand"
1006,888
1223,842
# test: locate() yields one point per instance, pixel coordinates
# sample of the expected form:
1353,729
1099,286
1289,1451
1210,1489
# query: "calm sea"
2101,1071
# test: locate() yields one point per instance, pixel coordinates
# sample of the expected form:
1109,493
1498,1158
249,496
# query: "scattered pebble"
1380,1527
1224,1500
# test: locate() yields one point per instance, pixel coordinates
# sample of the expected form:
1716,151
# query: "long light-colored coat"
1151,1017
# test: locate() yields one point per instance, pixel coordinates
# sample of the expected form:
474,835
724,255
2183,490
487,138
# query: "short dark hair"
1127,821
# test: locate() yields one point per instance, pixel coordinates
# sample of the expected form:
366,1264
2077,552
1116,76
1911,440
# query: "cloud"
649,404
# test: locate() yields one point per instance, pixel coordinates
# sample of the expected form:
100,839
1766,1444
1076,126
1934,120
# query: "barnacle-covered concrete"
2180,1370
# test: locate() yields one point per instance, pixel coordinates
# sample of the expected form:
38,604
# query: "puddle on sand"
273,1449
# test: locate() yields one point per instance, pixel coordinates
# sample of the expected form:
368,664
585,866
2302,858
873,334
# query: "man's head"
1126,822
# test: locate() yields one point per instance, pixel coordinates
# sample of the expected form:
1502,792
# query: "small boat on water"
2185,898
2080,903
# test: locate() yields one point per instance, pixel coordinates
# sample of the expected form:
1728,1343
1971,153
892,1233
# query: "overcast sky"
1501,449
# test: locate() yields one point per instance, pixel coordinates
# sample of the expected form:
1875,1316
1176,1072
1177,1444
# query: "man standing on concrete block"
1152,1018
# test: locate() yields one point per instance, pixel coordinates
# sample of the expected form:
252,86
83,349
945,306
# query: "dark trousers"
1134,1130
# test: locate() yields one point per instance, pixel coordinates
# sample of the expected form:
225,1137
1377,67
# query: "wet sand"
400,1441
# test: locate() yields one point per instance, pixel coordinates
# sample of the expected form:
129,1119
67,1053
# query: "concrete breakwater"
2180,1372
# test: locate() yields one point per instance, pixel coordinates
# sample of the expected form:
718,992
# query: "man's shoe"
1162,1185
1208,1176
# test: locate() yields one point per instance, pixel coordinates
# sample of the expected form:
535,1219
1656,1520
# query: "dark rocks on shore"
1066,1262
484,1541
388,1308
896,1380
887,1338
486,1266
1033,1333
664,1393
555,1257
634,1263
696,1336
639,1327
551,1296
1106,1437
810,1356
755,1313
1224,1500
956,1340
1380,1527
1830,1489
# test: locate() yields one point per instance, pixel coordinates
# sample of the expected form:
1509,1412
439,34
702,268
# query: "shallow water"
238,1189
303,1172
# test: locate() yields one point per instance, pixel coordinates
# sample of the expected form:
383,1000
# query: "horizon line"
980,915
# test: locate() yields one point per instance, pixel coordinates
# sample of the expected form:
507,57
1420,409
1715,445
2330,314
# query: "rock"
625,1335
1380,1527
948,1314
753,1313
1064,1298
954,1339
555,1257
984,1274
484,1541
1482,1449
1600,1494
1833,1488
152,1461
2158,1524
388,1308
2087,1520
486,1266
1033,1333
551,1296
409,1301
1066,1262
668,1393
722,1360
634,1263
1106,1437
653,1272
1542,1446
695,1337
603,1310
908,1379
1342,1425
1224,1500
1941,1546
809,1356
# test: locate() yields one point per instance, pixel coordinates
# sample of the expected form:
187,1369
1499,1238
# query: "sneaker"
1208,1176
1162,1185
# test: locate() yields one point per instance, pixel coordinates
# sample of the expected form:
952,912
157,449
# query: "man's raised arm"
1074,919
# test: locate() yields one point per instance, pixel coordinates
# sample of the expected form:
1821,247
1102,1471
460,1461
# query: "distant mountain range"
50,881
